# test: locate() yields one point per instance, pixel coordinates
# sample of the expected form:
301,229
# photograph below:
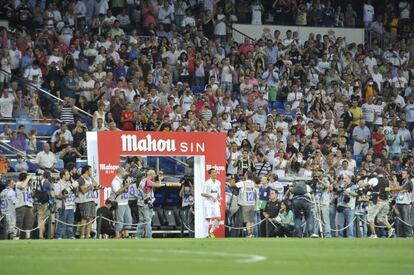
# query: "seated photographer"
106,211
285,224
271,212
120,187
65,195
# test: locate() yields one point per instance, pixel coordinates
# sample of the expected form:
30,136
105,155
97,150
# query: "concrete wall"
256,31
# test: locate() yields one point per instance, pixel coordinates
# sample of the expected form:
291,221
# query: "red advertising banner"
114,144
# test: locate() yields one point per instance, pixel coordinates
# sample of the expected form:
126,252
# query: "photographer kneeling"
120,186
145,207
65,194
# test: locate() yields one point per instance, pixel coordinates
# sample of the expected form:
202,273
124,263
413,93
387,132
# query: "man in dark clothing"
106,211
271,212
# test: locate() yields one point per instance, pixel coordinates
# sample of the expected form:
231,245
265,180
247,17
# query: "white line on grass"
236,257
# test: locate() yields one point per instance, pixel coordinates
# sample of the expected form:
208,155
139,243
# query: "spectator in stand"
21,165
45,159
6,103
369,12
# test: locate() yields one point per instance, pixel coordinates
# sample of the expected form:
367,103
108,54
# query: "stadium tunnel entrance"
106,150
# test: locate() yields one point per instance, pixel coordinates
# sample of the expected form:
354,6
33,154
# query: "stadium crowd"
334,113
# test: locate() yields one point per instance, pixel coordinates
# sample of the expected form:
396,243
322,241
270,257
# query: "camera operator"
120,191
86,199
145,210
323,195
302,206
361,210
346,205
42,191
379,205
187,204
65,195
403,201
234,215
8,208
24,205
248,198
136,171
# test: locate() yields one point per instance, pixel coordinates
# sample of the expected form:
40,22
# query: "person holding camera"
346,205
187,204
42,193
379,205
8,208
65,195
120,192
145,206
302,206
361,210
24,205
323,190
86,199
403,202
248,198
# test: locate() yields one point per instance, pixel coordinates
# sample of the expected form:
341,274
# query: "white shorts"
212,211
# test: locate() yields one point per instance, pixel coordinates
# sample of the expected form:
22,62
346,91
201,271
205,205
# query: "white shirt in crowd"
6,105
257,10
369,12
44,159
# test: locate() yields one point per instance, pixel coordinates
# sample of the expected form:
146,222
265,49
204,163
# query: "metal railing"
7,146
237,35
42,90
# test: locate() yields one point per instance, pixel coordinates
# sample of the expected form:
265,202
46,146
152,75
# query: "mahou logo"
131,143
108,168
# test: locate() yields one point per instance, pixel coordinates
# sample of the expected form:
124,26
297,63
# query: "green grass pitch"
208,256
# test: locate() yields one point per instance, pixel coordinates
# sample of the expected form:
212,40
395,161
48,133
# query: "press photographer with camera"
379,204
302,207
361,207
346,205
323,197
86,197
147,185
24,205
65,195
403,202
42,194
248,198
187,201
120,187
8,208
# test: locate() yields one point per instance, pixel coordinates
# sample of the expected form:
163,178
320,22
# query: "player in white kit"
212,197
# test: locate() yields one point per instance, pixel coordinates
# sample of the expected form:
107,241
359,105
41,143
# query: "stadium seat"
197,89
